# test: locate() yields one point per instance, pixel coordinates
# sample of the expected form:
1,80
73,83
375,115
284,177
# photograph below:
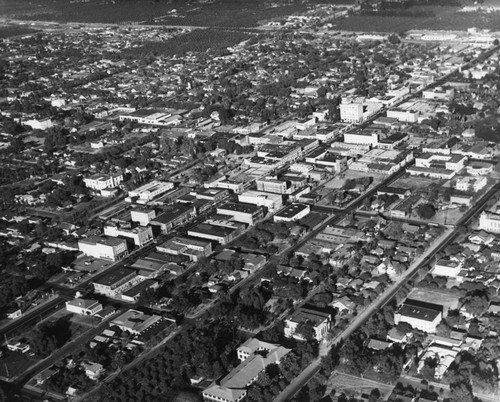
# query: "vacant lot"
415,182
354,386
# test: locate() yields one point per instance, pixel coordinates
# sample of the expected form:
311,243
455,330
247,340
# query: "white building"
404,115
469,183
489,221
83,306
105,248
151,190
361,138
292,213
141,235
101,181
351,112
143,216
447,268
272,202
42,124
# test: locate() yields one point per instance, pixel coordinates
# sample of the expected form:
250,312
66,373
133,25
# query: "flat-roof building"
292,213
106,248
241,212
116,281
150,190
140,235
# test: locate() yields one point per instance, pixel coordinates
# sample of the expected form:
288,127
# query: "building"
93,370
140,235
419,316
150,191
292,213
232,387
272,202
83,306
234,186
240,212
351,112
173,216
447,268
106,248
220,234
471,183
135,322
362,138
193,248
252,345
116,281
273,186
404,115
489,221
133,294
321,323
142,216
100,182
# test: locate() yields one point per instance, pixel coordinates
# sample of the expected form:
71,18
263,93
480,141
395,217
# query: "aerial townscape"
265,200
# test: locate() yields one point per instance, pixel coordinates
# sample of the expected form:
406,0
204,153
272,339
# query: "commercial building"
151,190
106,248
351,112
193,248
220,234
83,306
292,213
100,181
320,321
116,281
173,217
273,186
240,212
234,186
142,216
272,202
140,235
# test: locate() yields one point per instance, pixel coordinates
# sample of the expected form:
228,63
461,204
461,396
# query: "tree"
426,211
394,39
461,392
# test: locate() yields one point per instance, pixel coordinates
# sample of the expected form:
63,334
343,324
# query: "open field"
8,31
424,17
225,13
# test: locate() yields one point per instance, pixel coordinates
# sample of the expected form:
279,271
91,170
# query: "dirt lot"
355,386
339,180
416,182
